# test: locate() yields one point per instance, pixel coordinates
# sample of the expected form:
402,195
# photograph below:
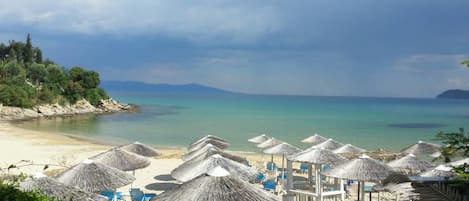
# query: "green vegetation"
465,62
456,145
9,190
27,80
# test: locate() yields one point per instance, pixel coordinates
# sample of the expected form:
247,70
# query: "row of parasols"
103,172
363,168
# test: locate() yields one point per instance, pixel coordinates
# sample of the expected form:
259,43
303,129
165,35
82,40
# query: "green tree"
37,73
28,50
456,143
465,62
12,54
37,55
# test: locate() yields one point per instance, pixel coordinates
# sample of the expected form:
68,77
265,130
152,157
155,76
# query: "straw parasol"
200,144
349,149
361,169
212,151
421,148
259,139
283,149
410,165
314,139
52,187
141,149
190,155
317,156
329,144
208,137
269,143
440,171
122,160
93,176
217,185
188,171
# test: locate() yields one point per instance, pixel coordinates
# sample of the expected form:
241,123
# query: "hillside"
161,88
454,94
26,80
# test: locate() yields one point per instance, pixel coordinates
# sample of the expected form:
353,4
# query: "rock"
80,107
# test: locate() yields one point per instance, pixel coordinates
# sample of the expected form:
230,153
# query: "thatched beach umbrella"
361,169
421,148
314,139
269,143
329,144
349,149
282,149
93,177
201,144
122,160
317,157
190,155
141,149
188,171
440,172
212,151
208,137
410,165
217,185
259,139
54,188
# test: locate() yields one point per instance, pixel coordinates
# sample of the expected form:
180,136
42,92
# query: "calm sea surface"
176,120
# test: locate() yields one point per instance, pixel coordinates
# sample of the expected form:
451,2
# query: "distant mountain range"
455,94
134,86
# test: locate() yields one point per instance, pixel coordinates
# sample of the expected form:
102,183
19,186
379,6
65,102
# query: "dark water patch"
416,125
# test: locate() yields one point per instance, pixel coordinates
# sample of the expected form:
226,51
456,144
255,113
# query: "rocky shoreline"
8,113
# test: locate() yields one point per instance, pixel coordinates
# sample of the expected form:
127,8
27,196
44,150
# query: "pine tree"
38,56
12,54
28,52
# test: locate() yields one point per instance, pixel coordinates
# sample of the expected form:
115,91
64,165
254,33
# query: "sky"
396,48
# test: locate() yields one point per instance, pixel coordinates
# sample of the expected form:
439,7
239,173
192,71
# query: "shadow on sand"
161,186
164,177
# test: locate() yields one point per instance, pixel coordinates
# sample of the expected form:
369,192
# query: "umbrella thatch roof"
362,168
269,143
349,149
122,160
329,144
188,171
282,148
212,151
421,148
317,156
458,162
259,139
208,137
439,171
217,185
58,190
93,176
201,144
190,155
141,149
314,139
410,165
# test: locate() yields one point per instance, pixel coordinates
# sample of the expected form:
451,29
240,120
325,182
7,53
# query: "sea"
175,120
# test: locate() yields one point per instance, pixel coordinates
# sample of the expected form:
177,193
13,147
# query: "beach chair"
270,185
260,177
303,167
110,195
271,166
136,194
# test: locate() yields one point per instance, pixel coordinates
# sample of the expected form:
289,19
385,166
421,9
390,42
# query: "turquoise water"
177,120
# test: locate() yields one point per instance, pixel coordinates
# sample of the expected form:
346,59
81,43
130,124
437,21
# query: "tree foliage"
465,62
27,80
9,191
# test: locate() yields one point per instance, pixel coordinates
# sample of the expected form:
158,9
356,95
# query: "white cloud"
197,20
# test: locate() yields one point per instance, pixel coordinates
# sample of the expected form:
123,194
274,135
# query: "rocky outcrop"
48,110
